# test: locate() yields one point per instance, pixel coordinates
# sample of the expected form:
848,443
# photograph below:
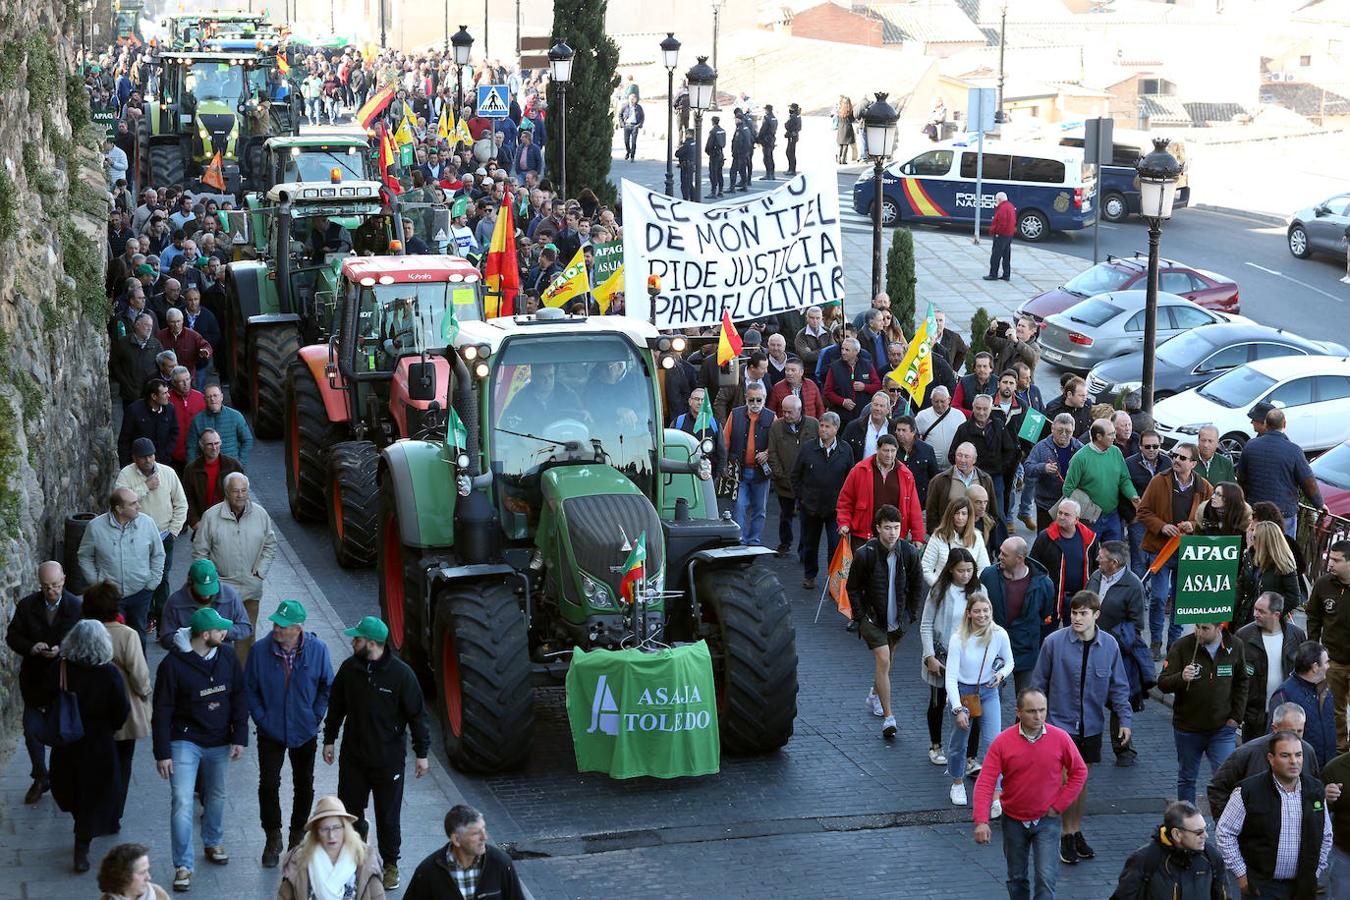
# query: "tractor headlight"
597,594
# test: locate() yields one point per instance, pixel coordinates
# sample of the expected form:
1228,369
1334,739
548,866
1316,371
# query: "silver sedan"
1112,324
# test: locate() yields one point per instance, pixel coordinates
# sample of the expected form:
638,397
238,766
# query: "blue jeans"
990,726
1135,535
1160,601
1026,498
187,759
134,609
1340,874
1291,526
998,498
1108,527
750,500
1022,840
1191,745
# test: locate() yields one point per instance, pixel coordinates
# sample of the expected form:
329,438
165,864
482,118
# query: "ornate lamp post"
670,55
702,78
560,69
462,42
879,126
1158,175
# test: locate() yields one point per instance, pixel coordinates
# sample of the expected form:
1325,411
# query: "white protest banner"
756,256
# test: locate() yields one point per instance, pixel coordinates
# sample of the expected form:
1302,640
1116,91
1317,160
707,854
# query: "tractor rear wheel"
754,650
308,436
400,589
482,656
270,350
353,511
168,162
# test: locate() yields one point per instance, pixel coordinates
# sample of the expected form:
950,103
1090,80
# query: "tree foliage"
979,324
590,113
901,281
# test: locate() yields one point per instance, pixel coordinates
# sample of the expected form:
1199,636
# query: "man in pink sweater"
1034,758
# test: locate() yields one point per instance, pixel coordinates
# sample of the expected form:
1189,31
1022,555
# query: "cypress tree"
590,114
979,324
901,281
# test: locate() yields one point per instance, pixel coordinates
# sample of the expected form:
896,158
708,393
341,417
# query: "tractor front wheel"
353,510
748,625
483,677
308,436
270,350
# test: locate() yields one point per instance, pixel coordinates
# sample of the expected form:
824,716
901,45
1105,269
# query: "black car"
1194,357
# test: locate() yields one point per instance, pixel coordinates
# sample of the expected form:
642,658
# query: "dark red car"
1332,471
1129,273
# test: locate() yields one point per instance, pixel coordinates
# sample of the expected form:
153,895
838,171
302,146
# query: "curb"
1263,218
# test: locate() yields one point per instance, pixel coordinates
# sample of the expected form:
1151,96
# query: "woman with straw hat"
332,862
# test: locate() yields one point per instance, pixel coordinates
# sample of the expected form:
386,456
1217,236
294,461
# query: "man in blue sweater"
1309,689
1274,468
287,678
200,722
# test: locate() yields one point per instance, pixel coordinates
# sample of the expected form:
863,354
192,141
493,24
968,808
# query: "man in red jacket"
1001,229
876,481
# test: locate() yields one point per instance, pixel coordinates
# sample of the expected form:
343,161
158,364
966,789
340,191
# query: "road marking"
1305,284
1264,269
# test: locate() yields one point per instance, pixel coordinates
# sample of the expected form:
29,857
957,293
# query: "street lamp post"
879,127
702,78
670,55
462,42
560,72
1158,175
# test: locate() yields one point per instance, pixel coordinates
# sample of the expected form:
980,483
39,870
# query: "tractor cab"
307,158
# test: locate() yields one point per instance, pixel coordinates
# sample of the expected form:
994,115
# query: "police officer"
686,156
792,131
742,145
768,136
716,150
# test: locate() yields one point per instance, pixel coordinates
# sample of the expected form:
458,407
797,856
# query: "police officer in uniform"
716,149
768,136
742,145
792,130
686,156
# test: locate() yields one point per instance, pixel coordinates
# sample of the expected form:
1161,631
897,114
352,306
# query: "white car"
1314,392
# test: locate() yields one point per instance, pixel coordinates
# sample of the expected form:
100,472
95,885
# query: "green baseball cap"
370,628
207,619
203,578
289,612
203,260
145,269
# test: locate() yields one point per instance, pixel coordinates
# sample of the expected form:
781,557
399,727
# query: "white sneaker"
973,767
1345,279
958,794
874,704
888,728
995,809
936,756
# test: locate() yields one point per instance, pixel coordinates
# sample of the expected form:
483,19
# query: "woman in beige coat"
332,862
100,603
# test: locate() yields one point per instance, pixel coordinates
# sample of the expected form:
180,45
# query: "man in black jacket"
792,130
1250,758
40,623
767,137
742,146
995,447
150,417
917,455
469,860
716,148
1269,638
885,587
377,695
1176,862
817,478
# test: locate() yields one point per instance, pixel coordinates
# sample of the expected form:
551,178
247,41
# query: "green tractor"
502,550
306,157
285,299
381,376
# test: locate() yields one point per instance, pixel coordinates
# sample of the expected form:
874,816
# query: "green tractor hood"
589,512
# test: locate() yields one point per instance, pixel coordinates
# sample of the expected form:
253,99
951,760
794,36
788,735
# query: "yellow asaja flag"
915,371
571,282
447,123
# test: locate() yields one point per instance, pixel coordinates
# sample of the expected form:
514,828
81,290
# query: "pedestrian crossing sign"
492,102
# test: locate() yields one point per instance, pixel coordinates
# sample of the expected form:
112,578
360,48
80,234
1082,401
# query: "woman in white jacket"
957,529
979,658
942,613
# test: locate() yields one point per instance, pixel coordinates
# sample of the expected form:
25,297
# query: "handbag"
972,701
60,723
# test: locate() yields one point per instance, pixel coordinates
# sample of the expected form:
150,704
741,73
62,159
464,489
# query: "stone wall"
57,448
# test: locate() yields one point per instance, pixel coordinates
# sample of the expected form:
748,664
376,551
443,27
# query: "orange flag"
839,566
215,173
728,342
501,272
1165,553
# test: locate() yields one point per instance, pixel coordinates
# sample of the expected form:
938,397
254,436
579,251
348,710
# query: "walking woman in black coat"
86,781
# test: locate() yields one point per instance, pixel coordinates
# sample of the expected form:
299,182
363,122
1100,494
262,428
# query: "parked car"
1332,470
1320,228
1194,357
1112,324
1210,290
1314,392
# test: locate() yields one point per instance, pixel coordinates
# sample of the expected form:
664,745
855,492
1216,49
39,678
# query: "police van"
1119,186
1048,184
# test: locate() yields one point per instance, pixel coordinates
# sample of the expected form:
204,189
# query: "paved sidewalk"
37,840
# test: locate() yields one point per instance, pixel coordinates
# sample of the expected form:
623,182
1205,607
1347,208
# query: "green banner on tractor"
635,713
1207,578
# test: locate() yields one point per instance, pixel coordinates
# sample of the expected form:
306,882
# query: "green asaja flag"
635,713
1033,424
455,433
1207,578
705,415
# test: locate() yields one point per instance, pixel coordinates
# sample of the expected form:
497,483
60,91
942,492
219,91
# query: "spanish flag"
501,271
386,160
573,281
728,342
283,66
374,106
915,371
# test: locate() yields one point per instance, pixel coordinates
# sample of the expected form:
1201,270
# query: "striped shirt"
1291,824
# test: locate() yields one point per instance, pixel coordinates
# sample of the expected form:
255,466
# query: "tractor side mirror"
421,381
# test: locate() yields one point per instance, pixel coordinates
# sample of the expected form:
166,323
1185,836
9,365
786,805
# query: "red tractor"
374,382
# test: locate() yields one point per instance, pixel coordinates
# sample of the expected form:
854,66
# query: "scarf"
148,895
329,880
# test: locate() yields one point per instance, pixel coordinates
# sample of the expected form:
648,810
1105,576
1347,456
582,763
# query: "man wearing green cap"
199,724
202,590
377,696
287,678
